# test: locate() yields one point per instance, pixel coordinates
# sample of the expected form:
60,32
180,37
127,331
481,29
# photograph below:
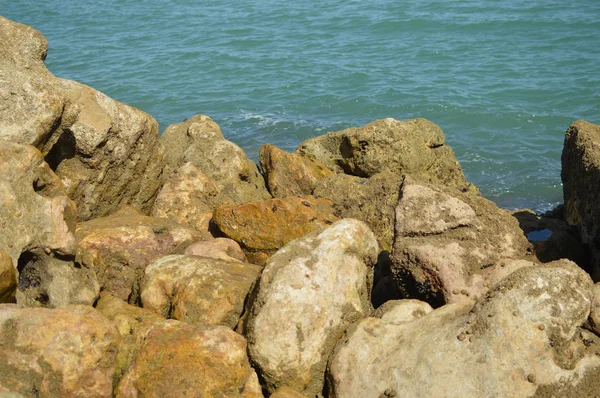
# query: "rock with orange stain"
269,225
127,241
181,360
289,174
198,290
66,352
219,248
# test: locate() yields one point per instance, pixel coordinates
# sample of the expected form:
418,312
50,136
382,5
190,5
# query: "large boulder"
132,323
289,174
199,141
271,224
107,154
415,147
218,248
372,200
309,292
450,245
198,290
581,181
125,242
8,279
180,360
39,220
66,352
522,339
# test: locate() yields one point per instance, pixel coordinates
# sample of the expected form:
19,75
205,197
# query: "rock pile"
362,265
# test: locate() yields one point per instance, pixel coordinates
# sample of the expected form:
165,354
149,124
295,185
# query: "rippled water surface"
504,79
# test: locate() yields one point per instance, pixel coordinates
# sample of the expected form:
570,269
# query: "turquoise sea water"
504,79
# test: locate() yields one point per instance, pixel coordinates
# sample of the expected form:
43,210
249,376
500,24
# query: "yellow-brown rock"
127,241
198,290
8,279
286,392
289,174
66,352
270,224
218,248
180,360
133,323
188,197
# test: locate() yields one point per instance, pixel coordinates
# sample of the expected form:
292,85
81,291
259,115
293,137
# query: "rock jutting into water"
362,265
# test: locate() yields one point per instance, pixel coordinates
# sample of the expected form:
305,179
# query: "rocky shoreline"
364,264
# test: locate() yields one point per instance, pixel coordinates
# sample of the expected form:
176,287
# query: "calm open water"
504,79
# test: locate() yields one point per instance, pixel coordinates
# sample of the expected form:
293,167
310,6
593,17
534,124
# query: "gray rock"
309,292
522,339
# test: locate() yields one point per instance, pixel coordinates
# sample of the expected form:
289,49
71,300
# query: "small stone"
463,292
515,313
563,379
455,291
541,327
588,342
470,339
47,250
461,337
490,315
387,392
531,378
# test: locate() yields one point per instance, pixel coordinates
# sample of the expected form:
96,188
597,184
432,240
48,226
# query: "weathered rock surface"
402,311
451,245
8,278
107,154
199,141
132,323
552,238
286,392
271,224
581,179
180,360
324,280
218,248
67,352
415,147
289,174
198,290
188,197
594,320
372,200
522,339
126,242
38,225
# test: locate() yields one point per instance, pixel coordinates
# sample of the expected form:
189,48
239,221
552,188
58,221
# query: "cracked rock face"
309,292
522,339
416,147
451,245
38,224
107,154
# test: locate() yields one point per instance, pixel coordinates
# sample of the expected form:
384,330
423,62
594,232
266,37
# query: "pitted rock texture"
522,339
372,200
289,174
415,146
37,221
107,154
581,179
66,352
124,243
451,245
271,224
132,323
198,290
324,279
199,141
180,360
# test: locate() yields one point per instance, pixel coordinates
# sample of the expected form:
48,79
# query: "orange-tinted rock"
218,248
66,352
127,242
132,323
180,360
8,279
269,225
188,197
289,174
198,290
